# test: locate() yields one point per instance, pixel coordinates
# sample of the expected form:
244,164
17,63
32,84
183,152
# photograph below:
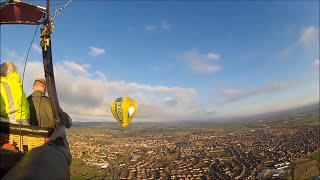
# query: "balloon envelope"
124,110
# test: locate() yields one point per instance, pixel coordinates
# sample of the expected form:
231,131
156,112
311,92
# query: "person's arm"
67,119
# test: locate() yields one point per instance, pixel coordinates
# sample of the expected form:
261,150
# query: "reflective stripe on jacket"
14,104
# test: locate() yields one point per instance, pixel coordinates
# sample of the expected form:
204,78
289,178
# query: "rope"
24,70
57,4
60,10
3,4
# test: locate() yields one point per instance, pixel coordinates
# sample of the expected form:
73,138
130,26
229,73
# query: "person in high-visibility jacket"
13,104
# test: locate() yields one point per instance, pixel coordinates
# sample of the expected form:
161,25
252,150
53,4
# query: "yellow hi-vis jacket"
13,104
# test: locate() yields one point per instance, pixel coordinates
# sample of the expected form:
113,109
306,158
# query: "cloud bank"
316,65
163,26
87,94
36,48
201,63
96,51
309,39
233,95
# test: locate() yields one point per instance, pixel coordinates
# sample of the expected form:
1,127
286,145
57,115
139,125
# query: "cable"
57,4
60,10
25,63
3,4
24,70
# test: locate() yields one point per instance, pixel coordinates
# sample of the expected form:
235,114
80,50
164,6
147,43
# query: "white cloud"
86,65
316,64
202,68
96,51
309,39
170,101
213,56
201,64
163,26
309,36
90,97
36,48
231,92
76,68
233,95
101,75
285,52
284,103
12,56
151,28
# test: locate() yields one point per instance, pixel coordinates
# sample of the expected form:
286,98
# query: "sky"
181,60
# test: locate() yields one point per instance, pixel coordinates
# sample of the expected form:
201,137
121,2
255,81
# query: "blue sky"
178,60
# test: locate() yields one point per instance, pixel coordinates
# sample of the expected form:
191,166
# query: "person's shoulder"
14,76
3,79
38,94
44,98
43,95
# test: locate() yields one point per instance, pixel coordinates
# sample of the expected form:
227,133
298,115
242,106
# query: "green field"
308,169
308,120
220,154
172,130
233,128
80,170
177,129
315,155
76,177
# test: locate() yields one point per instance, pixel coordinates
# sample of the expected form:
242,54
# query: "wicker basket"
25,143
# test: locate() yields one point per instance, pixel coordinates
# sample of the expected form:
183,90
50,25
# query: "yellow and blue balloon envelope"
124,110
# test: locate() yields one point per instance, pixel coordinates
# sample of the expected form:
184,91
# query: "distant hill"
89,124
302,109
311,108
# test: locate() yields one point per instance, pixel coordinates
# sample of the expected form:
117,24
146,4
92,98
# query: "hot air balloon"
124,109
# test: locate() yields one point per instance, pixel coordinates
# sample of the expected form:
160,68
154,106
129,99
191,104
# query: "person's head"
39,85
7,68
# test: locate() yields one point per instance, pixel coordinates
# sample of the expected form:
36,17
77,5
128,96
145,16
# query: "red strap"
10,147
16,11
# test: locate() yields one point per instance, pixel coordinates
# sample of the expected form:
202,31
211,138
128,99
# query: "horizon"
226,119
177,60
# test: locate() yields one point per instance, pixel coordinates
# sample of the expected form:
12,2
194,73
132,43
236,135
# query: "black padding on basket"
9,128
